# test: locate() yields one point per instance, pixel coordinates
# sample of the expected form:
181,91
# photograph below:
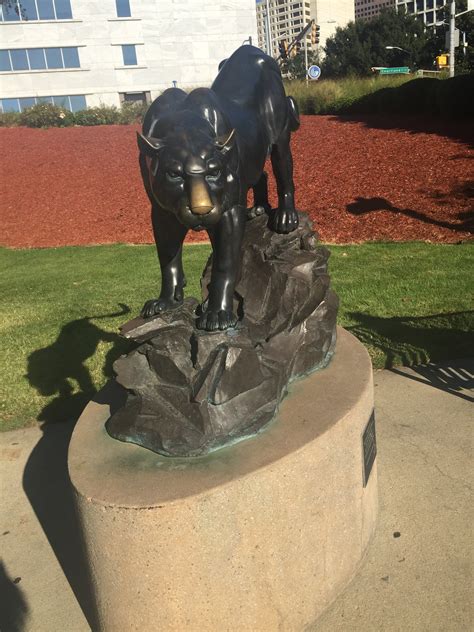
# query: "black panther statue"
200,153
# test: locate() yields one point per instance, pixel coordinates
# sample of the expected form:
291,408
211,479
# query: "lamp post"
402,49
398,48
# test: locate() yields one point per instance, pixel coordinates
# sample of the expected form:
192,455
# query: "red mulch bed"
365,179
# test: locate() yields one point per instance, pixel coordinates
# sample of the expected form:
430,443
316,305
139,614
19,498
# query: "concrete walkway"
417,574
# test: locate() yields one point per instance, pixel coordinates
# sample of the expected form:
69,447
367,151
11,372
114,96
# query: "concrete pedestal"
257,537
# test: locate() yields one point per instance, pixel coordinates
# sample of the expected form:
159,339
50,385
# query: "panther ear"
148,146
225,144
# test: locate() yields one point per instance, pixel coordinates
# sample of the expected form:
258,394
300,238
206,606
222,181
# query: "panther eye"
174,175
213,172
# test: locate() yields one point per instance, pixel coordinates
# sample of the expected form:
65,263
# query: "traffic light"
296,49
315,32
283,48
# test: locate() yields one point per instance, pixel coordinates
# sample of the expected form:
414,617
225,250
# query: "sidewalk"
417,574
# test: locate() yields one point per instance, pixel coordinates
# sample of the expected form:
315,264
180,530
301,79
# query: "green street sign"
394,71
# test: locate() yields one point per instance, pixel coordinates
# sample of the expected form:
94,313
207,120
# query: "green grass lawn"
60,310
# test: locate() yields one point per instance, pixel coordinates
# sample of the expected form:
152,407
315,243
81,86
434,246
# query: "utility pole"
267,29
306,59
452,20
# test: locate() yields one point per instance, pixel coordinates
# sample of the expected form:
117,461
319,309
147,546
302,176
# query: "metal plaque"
369,447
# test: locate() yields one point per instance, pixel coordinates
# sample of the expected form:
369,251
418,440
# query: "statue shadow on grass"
431,345
51,371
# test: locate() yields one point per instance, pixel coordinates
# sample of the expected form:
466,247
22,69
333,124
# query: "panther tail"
294,114
124,309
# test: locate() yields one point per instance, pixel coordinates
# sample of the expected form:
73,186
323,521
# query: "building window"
69,102
129,55
123,8
135,97
39,58
24,10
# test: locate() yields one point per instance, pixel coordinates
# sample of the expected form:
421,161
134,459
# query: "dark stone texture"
189,391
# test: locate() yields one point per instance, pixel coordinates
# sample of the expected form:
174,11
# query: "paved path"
417,574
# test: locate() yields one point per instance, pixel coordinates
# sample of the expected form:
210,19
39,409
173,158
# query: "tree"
295,68
355,49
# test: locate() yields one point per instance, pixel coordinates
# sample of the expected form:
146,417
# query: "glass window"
129,55
123,8
11,12
430,17
46,9
5,63
36,57
10,105
71,57
44,99
78,102
28,10
63,9
62,102
54,58
19,59
27,102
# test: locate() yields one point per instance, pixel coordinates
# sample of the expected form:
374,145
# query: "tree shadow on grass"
13,605
409,341
362,206
45,479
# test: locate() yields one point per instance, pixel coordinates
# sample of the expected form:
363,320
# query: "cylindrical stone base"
257,537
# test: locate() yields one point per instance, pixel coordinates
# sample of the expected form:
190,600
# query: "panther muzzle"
199,197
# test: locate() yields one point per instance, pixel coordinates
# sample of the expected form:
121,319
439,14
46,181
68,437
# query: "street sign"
456,39
314,72
402,70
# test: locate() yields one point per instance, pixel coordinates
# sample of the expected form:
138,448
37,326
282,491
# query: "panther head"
189,172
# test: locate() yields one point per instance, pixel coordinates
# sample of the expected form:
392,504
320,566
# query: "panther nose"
199,199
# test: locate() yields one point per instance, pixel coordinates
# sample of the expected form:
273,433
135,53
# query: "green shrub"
46,115
449,98
132,112
9,119
102,115
455,97
329,96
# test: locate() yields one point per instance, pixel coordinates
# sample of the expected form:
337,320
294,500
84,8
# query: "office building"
79,53
430,11
368,9
284,19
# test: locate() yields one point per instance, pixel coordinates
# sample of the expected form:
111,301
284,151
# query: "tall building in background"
430,11
368,9
77,53
284,19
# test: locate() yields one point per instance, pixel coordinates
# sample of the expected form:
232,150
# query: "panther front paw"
283,220
158,306
213,320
